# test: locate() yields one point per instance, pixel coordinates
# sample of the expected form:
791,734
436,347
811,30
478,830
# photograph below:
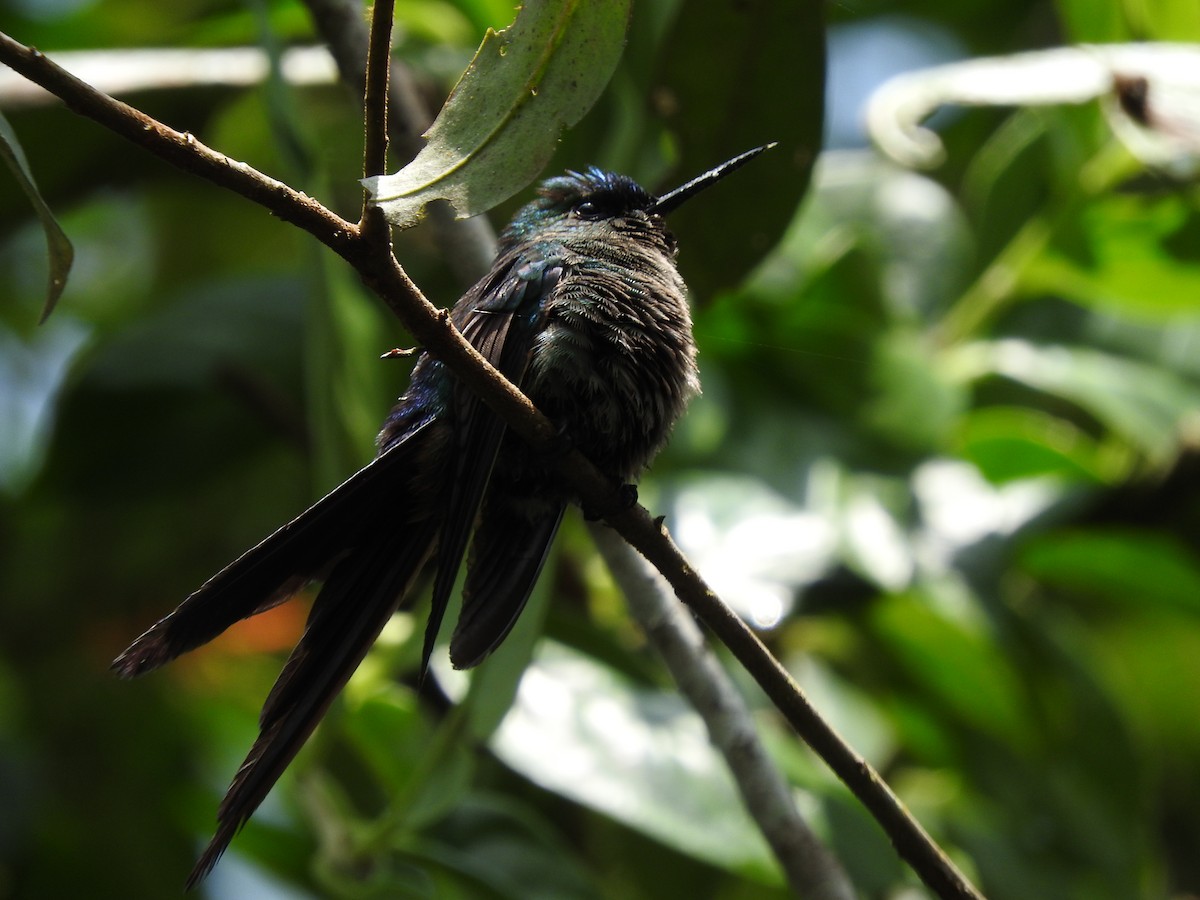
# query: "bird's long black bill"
673,199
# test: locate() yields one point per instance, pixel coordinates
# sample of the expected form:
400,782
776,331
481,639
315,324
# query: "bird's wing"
500,317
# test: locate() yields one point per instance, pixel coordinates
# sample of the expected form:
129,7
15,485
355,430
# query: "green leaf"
507,851
33,373
1149,661
1144,405
1138,568
494,683
501,122
424,771
1164,20
957,663
61,253
1088,21
915,406
738,75
1138,259
345,378
1008,443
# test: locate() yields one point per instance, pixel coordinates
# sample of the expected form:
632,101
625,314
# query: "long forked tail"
272,571
355,603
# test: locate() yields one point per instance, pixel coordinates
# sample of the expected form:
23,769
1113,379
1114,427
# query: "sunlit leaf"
960,509
754,547
1159,119
499,126
876,545
60,252
1140,259
1009,443
910,225
1145,405
642,757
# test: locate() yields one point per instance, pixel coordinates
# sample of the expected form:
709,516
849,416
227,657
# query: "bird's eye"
587,210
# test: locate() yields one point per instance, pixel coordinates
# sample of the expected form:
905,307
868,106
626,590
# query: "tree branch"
911,841
432,327
811,870
181,149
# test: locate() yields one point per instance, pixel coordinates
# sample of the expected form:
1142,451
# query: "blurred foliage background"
947,458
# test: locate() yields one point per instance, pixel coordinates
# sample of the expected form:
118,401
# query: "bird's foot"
401,353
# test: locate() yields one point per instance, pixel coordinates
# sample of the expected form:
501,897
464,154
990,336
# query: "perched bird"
585,310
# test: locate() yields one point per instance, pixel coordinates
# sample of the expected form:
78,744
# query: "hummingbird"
584,310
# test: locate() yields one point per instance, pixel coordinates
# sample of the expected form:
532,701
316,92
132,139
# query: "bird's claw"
401,353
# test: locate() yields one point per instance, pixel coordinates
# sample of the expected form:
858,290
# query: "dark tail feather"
507,555
479,442
359,596
273,571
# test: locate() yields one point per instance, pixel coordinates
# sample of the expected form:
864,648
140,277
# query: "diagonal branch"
383,274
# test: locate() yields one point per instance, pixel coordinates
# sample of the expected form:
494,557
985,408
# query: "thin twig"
467,245
433,329
375,119
811,870
375,93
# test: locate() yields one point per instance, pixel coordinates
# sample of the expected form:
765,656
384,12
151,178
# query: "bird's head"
599,205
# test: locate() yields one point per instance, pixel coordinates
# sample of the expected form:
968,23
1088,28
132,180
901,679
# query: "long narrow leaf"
61,253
